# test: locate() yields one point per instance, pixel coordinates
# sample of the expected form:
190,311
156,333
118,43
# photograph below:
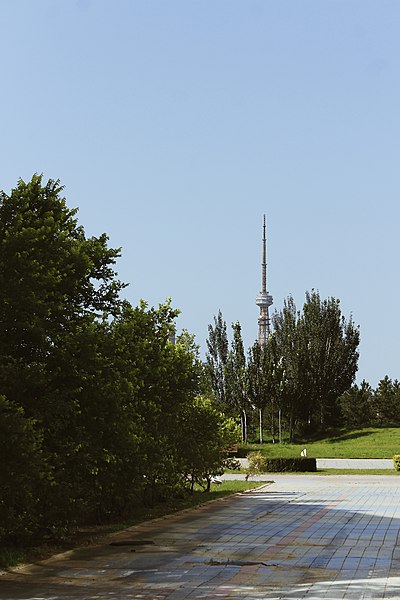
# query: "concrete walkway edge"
344,463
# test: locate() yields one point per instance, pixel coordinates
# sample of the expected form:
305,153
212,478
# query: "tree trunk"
243,421
261,424
291,427
272,423
280,425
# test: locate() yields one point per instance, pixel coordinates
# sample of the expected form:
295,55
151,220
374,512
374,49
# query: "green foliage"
217,357
99,406
263,374
357,406
55,286
261,463
205,435
290,365
386,403
294,465
310,360
235,371
21,472
236,379
257,464
317,352
396,462
226,370
362,406
331,356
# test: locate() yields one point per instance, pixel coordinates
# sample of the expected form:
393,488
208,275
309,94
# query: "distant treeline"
362,406
301,382
293,384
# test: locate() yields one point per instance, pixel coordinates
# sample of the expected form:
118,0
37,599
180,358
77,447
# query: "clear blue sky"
174,125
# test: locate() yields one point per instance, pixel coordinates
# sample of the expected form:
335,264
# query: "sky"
176,125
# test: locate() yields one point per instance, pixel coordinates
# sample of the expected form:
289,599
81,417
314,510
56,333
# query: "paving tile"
304,537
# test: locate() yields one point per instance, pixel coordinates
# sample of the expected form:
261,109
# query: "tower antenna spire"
264,299
264,261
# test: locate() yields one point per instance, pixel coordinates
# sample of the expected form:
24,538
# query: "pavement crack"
240,563
133,543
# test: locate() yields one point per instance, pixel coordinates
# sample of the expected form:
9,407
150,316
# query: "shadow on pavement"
266,544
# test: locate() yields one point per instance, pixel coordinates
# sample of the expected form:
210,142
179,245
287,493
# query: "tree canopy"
97,406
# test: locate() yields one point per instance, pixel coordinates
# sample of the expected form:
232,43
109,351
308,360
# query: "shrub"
396,462
258,463
204,435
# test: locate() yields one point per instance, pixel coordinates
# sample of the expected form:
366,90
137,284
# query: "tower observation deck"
264,299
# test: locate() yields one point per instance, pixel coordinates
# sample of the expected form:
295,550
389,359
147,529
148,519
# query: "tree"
226,370
21,472
97,399
52,278
262,382
236,379
291,365
332,355
56,287
217,357
357,406
318,354
386,402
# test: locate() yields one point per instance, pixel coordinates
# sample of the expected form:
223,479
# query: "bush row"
259,463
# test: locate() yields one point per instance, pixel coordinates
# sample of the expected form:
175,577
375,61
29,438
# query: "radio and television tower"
264,299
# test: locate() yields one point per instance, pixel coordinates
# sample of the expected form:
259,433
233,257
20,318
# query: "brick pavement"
304,537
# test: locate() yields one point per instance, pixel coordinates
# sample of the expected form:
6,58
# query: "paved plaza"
304,536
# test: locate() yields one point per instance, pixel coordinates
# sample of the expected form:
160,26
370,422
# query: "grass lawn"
13,555
361,443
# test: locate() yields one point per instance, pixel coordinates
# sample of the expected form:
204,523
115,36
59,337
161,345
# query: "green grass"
14,555
361,443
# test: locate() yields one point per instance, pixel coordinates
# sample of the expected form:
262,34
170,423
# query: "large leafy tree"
52,279
98,402
57,290
318,355
332,353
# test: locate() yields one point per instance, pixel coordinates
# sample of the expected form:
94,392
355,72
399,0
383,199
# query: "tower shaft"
264,299
264,261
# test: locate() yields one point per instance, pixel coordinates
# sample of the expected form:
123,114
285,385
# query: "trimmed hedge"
259,463
396,462
298,465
